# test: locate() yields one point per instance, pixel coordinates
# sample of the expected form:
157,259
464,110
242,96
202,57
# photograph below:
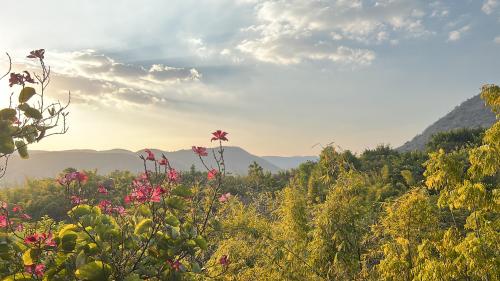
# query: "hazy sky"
279,76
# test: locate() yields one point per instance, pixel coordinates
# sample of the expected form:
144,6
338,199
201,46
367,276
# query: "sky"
280,76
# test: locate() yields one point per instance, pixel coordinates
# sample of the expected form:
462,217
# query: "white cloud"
497,40
293,31
94,78
489,6
456,35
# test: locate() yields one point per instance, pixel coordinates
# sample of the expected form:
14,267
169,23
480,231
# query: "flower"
20,227
219,135
16,79
101,189
35,269
4,221
105,206
81,177
16,209
224,261
157,193
201,151
175,265
119,210
163,161
26,216
151,156
76,200
212,174
37,54
173,175
224,197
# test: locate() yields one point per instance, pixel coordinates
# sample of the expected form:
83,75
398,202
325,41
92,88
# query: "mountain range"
42,164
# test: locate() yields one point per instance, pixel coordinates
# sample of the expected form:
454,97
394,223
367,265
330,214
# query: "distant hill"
43,164
286,163
470,114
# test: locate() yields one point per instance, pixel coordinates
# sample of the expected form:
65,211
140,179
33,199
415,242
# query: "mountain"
287,163
43,164
470,114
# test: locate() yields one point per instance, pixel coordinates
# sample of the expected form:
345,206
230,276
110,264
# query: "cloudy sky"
279,75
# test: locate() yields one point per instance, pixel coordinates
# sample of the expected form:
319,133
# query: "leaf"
182,191
68,241
94,271
30,256
19,277
175,203
33,113
172,220
22,149
8,114
143,226
201,242
7,145
26,94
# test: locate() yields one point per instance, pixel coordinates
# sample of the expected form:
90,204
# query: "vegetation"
380,215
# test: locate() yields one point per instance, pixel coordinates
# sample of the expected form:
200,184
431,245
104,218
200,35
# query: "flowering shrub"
30,117
157,232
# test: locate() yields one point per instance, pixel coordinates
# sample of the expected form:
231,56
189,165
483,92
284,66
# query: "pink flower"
20,227
16,79
119,210
212,174
26,216
35,269
3,205
157,193
224,197
175,265
37,54
224,261
101,189
151,156
30,239
173,175
200,151
163,161
49,240
219,135
76,200
82,177
105,206
128,199
16,209
3,221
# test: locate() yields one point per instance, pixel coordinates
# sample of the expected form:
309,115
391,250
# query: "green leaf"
143,226
30,256
7,145
26,94
172,220
33,113
201,242
19,277
182,191
195,267
22,149
94,271
176,203
7,114
68,241
79,211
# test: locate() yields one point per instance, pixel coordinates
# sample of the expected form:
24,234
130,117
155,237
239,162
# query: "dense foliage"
380,215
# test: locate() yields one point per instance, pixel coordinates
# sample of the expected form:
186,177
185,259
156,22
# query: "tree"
29,117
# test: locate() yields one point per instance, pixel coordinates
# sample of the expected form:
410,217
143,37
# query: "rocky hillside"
470,114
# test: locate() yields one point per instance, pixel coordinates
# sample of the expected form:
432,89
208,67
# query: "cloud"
456,35
497,40
489,6
339,31
97,79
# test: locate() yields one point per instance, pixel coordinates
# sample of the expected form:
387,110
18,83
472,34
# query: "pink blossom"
76,200
173,175
101,189
200,151
219,135
16,209
105,206
224,197
38,269
151,156
4,222
37,54
224,261
163,161
26,216
212,174
175,265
